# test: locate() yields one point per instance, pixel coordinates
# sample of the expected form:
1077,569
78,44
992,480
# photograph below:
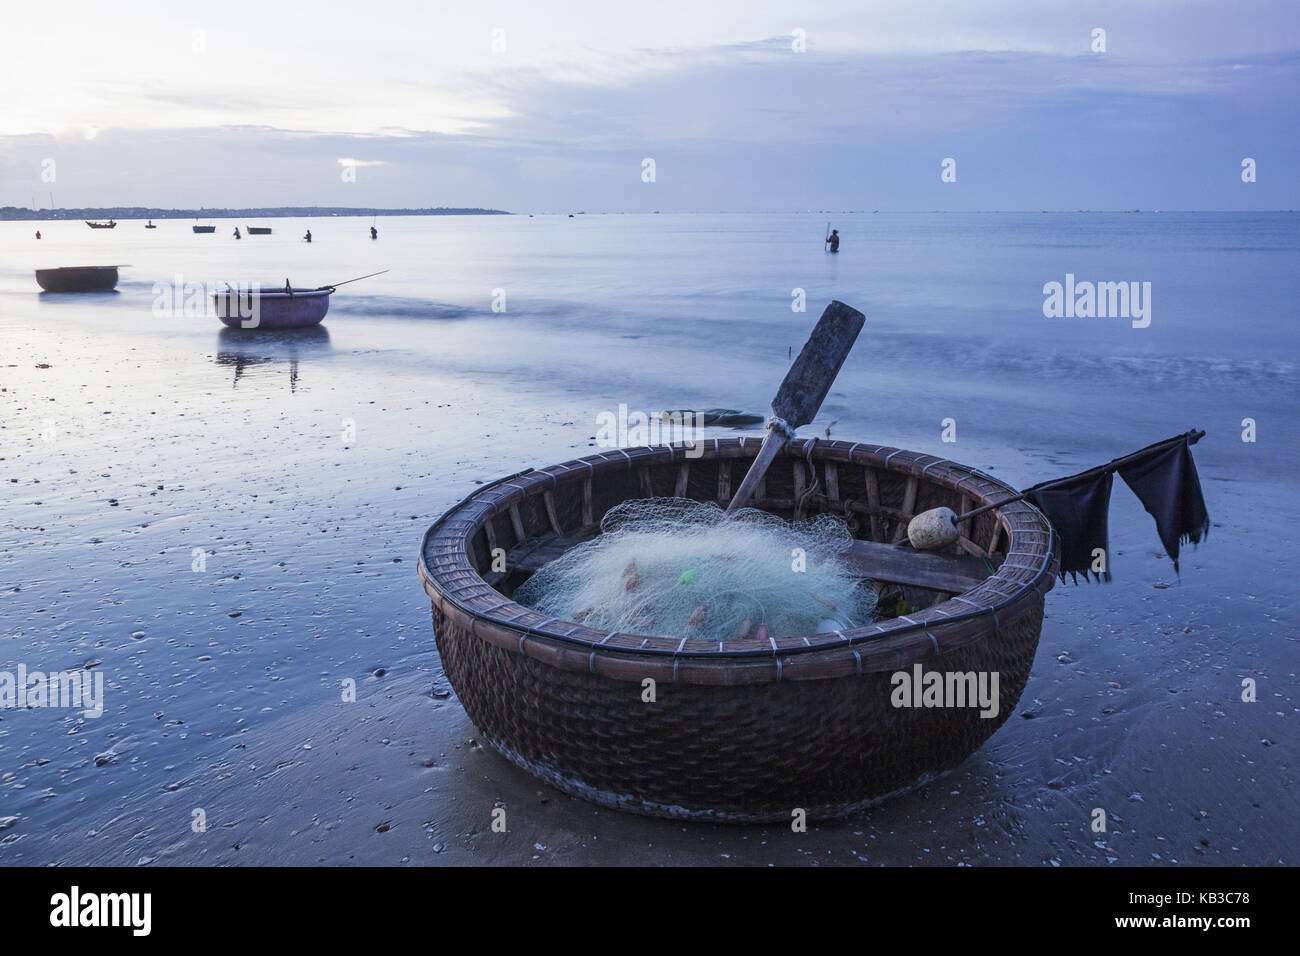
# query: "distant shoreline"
129,213
126,213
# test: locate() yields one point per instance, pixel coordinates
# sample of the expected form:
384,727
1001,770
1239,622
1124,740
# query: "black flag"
1080,513
1170,490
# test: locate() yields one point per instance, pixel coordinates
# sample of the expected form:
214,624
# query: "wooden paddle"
801,394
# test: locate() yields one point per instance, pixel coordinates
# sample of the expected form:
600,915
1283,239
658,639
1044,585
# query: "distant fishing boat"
259,230
204,228
298,309
78,279
150,225
111,224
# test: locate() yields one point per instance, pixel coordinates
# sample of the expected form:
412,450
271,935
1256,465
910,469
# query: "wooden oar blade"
810,378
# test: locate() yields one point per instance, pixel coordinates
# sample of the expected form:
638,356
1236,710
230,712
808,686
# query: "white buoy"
933,529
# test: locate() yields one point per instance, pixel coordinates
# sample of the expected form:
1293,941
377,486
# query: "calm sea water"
698,307
303,469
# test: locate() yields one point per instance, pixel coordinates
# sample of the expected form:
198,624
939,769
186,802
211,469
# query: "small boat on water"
111,224
150,225
281,309
78,279
203,229
259,230
277,308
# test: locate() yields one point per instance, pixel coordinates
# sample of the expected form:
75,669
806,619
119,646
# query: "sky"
743,105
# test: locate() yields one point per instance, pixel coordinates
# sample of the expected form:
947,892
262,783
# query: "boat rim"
280,294
774,648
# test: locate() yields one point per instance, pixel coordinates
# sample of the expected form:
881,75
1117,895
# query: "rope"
781,427
1191,437
814,485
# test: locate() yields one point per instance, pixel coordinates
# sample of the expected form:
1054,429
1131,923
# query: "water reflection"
244,348
95,295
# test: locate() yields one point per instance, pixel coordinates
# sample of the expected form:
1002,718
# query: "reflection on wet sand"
95,294
245,348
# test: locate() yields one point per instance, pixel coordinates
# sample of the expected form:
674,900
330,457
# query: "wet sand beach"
227,527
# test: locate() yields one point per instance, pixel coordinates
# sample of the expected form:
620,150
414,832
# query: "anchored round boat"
78,279
751,729
272,310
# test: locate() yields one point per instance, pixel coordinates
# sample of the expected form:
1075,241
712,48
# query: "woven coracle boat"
273,309
78,279
750,729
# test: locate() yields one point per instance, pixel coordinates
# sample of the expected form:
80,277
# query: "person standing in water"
38,234
307,238
834,240
237,235
374,233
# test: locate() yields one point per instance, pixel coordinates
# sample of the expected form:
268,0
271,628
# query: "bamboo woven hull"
748,732
745,754
274,310
78,279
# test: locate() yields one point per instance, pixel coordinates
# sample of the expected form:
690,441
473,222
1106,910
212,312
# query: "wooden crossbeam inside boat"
952,574
934,572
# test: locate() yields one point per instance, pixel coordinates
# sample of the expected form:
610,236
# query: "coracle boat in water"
280,309
101,225
753,728
204,229
78,279
259,230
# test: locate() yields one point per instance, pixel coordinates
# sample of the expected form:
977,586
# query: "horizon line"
312,211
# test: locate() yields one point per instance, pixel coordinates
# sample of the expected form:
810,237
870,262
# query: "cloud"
734,119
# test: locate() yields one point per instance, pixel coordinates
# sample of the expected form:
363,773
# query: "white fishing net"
672,566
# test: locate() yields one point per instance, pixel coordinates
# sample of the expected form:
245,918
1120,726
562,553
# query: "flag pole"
1192,438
